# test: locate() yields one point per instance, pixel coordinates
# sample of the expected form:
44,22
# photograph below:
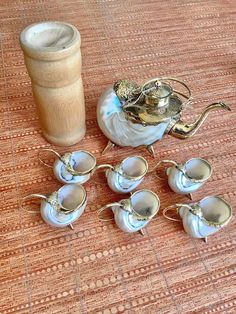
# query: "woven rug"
97,268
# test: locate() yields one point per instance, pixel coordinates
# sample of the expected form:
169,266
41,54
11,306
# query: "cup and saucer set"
64,206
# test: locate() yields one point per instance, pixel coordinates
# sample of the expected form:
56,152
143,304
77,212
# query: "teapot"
62,207
134,213
133,115
202,218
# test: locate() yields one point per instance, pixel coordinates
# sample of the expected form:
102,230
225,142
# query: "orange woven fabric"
97,268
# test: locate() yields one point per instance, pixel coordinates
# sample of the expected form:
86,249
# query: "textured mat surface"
97,268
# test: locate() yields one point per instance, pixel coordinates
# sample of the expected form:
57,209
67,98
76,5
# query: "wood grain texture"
97,268
53,60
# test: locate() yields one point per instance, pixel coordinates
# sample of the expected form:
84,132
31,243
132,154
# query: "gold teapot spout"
182,130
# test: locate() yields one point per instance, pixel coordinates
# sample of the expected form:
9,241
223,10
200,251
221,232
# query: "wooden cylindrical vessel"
53,60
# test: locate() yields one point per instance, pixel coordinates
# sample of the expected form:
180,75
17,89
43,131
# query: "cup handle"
48,150
165,161
29,197
101,167
106,207
176,207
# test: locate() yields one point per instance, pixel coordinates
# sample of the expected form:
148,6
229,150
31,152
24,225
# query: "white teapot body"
114,125
133,115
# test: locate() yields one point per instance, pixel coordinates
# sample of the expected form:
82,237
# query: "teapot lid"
156,91
156,101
